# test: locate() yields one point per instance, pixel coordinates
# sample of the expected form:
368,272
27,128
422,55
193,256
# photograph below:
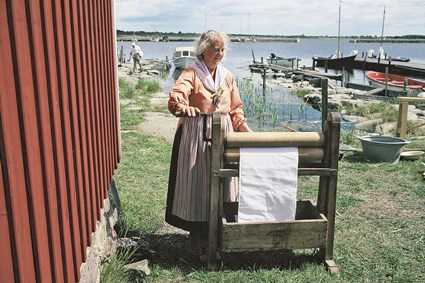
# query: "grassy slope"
380,221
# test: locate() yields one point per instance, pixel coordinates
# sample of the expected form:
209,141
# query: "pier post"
386,81
324,83
264,82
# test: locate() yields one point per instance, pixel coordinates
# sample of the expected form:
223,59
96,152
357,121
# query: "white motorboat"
184,57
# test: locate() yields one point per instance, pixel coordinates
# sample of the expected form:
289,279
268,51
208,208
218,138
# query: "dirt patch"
160,125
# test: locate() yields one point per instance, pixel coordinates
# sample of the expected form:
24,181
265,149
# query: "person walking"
137,54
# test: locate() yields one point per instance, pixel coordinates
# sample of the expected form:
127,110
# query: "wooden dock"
308,72
394,67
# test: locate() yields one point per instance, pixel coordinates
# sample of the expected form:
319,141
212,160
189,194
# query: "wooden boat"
184,57
281,61
394,82
336,61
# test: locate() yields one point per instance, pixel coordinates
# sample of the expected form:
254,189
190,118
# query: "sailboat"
381,53
337,61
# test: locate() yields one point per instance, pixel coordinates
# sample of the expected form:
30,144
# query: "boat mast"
338,53
383,22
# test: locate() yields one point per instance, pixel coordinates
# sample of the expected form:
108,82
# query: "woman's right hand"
184,110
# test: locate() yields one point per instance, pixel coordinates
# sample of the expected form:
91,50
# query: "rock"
343,90
312,98
353,119
386,129
368,126
141,266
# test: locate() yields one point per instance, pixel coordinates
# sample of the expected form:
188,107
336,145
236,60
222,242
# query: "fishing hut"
313,227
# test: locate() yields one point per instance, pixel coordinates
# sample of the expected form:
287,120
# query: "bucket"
382,148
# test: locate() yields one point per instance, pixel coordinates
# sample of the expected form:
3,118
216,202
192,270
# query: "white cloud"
277,17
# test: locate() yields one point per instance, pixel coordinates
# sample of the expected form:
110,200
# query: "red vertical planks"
41,73
85,117
11,154
6,268
80,136
79,227
58,133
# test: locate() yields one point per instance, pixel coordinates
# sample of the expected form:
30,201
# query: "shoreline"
165,37
338,97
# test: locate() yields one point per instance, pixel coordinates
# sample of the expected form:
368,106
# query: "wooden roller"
274,139
305,154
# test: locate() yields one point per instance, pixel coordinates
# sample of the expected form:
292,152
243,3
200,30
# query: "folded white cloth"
268,184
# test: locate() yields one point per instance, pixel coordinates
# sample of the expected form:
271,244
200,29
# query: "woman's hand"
184,110
244,128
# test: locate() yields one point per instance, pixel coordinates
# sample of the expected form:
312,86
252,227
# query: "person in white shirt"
137,54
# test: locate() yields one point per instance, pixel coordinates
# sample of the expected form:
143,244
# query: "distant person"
137,54
207,87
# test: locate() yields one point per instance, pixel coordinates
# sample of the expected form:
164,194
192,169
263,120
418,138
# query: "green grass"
381,110
379,229
114,270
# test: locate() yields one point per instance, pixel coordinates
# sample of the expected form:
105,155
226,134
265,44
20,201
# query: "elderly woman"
203,88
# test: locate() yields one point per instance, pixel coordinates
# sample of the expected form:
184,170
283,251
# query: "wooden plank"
85,108
308,230
98,94
80,125
269,139
93,62
74,148
12,155
334,138
375,91
42,53
401,130
64,76
256,236
217,144
6,266
305,154
332,267
30,126
57,150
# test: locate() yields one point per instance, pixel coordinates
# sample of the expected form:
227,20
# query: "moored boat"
394,82
336,62
184,57
291,62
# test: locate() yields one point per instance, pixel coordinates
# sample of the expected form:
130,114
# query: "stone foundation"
103,239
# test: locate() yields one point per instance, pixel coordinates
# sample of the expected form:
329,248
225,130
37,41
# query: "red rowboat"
394,82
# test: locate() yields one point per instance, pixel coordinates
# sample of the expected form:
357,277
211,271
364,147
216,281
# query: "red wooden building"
59,133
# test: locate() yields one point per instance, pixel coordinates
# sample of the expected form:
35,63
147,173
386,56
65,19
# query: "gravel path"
159,124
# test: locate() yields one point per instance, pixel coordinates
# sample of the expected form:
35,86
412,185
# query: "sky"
273,17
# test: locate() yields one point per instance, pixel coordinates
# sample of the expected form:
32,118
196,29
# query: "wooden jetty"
387,40
305,71
394,67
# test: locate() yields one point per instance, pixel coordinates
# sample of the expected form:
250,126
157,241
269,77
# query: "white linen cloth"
268,184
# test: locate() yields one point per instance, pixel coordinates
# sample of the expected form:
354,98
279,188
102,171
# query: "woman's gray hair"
207,38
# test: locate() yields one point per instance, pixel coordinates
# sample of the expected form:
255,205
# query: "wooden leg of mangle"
212,255
331,267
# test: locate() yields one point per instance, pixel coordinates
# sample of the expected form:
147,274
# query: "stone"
141,266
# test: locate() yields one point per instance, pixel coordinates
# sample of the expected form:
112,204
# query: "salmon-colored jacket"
189,90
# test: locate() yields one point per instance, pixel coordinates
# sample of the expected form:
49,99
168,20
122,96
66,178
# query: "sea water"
283,108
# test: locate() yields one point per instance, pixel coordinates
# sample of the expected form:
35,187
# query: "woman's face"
214,54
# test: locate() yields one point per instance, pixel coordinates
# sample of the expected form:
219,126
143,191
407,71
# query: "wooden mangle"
314,223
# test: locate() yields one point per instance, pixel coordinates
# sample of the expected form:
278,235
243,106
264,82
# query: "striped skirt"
190,169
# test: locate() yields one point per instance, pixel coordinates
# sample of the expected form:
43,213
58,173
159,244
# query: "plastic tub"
382,148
